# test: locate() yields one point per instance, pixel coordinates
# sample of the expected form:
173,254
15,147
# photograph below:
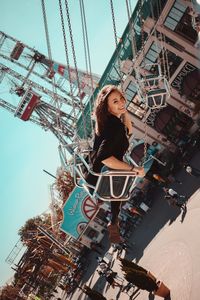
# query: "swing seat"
154,89
111,185
114,185
151,80
156,98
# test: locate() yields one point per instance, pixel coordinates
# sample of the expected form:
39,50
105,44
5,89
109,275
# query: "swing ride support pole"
49,174
159,161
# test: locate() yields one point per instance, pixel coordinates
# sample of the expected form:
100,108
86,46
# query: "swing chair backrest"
111,185
156,98
115,185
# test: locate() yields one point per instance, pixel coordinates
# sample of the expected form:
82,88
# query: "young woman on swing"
113,129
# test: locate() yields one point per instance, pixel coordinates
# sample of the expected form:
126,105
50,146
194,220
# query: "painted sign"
178,81
77,212
152,116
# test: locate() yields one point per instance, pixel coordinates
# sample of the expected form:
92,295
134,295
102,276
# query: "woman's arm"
116,164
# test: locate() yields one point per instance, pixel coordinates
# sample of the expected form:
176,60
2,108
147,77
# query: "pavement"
166,243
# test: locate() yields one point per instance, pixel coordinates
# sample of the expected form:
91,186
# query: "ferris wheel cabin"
17,51
27,105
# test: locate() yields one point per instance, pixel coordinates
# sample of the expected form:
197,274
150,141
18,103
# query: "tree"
64,183
138,276
140,279
10,292
29,230
93,295
130,264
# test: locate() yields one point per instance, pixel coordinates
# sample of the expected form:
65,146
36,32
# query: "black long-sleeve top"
112,142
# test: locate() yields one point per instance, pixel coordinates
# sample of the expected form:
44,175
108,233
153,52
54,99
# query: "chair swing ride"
152,90
112,185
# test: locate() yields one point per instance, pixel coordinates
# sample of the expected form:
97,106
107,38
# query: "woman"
113,128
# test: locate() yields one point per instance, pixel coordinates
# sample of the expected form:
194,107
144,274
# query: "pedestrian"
174,198
112,133
110,278
109,273
104,267
170,192
101,260
192,171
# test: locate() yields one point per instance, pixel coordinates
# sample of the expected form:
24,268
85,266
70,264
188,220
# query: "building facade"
160,34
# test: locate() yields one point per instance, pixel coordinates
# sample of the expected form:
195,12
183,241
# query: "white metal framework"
112,185
27,81
153,89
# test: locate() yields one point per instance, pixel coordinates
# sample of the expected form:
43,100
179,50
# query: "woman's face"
116,104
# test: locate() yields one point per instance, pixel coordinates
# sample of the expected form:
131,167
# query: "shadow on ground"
158,216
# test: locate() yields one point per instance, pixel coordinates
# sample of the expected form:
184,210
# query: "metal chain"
46,29
57,103
113,20
66,48
138,76
84,35
87,60
72,42
116,43
167,75
161,60
143,87
75,65
67,61
131,29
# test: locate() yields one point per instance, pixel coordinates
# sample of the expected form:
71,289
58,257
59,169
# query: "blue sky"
26,149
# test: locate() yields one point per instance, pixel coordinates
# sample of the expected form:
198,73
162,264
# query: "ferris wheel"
35,88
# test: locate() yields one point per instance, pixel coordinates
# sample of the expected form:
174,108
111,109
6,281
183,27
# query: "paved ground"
167,244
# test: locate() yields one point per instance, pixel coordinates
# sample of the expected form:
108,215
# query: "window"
179,20
131,91
156,9
185,29
135,105
151,56
91,233
175,15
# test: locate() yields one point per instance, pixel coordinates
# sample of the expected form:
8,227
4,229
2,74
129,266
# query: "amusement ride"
60,98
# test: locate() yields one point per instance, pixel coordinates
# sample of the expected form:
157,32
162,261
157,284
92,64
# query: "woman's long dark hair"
101,107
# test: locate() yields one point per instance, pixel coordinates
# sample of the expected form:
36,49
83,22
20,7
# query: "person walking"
101,260
112,133
192,170
110,278
174,198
